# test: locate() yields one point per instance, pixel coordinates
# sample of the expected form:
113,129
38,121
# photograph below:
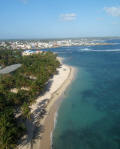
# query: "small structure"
30,52
10,69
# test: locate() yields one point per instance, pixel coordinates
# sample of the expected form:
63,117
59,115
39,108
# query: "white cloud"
114,11
68,16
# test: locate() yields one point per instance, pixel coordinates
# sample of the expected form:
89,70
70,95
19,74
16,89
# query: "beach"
40,130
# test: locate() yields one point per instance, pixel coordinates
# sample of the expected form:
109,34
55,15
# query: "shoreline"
60,82
94,44
49,123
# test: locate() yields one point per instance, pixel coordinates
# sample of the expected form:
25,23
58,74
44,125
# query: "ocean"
89,115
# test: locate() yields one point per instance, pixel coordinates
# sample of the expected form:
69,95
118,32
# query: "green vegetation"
9,57
28,82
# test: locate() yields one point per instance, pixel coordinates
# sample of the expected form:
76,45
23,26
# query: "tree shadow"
34,128
48,85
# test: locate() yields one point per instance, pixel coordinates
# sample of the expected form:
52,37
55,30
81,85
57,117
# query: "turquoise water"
89,116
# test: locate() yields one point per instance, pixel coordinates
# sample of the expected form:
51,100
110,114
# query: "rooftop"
10,68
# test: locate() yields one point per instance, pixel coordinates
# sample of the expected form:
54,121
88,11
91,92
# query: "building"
10,69
30,52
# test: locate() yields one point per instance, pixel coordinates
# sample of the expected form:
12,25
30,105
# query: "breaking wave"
92,50
55,122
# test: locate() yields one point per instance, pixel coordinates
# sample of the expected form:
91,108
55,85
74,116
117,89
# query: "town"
43,44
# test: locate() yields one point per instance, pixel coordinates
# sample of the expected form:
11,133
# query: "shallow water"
89,116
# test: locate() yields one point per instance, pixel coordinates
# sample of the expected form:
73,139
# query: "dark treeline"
9,57
28,81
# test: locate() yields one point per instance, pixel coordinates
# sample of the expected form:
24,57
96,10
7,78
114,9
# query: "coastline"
49,121
59,84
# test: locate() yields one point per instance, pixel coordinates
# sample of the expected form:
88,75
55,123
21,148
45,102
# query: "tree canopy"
28,81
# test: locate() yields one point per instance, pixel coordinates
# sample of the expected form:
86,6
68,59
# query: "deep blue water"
89,116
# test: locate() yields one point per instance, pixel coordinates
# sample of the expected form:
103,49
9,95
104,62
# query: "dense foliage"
28,81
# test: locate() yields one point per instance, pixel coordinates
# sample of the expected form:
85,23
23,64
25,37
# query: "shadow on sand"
33,127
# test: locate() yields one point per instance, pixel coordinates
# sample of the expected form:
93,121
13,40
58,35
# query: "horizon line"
53,38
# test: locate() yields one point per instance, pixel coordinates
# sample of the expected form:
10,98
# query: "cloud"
114,11
68,17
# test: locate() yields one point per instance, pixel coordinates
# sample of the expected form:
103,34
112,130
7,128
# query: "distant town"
44,44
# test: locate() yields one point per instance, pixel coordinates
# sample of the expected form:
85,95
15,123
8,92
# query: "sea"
89,114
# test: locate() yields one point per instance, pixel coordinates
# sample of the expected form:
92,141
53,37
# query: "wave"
59,52
55,119
85,49
115,43
91,50
55,122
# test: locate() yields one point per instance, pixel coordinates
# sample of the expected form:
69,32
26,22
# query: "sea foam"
91,50
51,134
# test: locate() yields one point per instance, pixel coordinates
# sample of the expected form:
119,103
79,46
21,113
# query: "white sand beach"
57,86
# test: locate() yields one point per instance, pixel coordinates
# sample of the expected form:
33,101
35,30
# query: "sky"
59,18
